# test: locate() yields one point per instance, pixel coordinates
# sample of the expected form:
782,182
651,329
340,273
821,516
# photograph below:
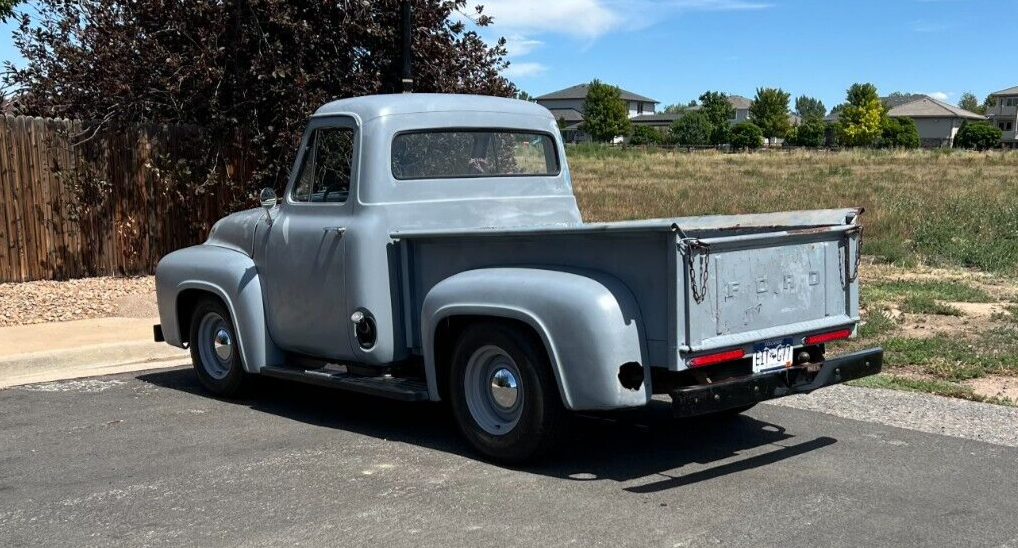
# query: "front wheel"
215,350
503,393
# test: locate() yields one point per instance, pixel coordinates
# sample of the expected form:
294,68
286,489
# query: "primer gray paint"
416,252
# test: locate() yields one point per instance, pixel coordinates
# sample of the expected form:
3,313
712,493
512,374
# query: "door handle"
338,230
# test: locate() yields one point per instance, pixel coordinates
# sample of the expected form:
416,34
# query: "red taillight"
828,337
709,359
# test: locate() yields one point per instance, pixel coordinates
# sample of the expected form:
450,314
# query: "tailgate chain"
854,272
699,291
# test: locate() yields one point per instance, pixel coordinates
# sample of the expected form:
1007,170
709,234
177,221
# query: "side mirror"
268,198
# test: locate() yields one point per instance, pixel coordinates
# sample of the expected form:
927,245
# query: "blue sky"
673,50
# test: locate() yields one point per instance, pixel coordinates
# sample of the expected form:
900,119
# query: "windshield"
446,154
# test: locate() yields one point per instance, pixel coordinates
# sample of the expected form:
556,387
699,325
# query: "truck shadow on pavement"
645,444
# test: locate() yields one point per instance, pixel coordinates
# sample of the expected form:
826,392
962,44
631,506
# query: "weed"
923,304
930,386
894,290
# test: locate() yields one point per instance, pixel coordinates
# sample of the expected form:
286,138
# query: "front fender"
589,323
232,276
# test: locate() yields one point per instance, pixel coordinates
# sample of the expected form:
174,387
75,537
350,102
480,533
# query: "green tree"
769,111
898,133
809,107
645,135
693,129
717,108
720,112
605,115
676,108
978,135
969,102
860,119
746,135
811,133
524,96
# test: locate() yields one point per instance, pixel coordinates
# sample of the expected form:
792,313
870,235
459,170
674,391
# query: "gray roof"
898,100
1008,91
927,107
373,106
657,118
570,114
579,91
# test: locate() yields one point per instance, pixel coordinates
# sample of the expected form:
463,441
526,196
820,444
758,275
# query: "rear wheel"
503,393
215,350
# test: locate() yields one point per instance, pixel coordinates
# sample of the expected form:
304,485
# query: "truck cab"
429,247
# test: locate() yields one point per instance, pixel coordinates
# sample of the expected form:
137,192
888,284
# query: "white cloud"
590,19
519,45
940,95
524,69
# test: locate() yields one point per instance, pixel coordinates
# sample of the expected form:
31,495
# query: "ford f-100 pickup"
429,247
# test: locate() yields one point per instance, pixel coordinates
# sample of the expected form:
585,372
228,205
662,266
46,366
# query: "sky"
674,50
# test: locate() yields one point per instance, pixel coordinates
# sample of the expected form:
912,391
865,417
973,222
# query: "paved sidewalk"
82,348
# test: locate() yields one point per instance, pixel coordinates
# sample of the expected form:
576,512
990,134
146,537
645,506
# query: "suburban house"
1004,114
567,107
937,122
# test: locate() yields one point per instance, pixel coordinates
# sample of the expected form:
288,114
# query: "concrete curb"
88,361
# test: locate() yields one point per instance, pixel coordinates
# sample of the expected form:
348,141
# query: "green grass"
876,322
930,386
953,358
922,304
924,290
949,209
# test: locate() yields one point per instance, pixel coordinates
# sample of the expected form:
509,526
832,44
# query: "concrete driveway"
149,460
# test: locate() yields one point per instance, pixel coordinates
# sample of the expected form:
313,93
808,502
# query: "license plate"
772,355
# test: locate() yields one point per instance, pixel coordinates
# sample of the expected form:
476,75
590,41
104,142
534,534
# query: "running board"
384,386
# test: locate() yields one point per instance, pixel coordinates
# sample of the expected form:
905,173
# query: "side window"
325,170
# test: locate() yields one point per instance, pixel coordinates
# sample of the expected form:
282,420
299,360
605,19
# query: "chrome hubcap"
215,345
223,344
493,390
504,390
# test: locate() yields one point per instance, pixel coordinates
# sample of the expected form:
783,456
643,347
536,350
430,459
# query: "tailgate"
743,288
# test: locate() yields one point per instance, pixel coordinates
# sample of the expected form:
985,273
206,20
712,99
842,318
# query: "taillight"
709,359
827,337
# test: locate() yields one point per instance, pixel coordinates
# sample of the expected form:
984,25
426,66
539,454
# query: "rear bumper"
700,400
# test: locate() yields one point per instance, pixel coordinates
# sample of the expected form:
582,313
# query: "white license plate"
772,355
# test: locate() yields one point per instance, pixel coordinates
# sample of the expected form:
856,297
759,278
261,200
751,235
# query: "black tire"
223,377
541,415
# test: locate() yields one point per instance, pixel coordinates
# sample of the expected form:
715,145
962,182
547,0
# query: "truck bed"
701,283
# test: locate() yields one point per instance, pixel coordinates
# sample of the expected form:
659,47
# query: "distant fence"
50,229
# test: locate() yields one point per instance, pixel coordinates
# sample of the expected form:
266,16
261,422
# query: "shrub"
978,135
746,135
693,129
646,135
811,133
898,133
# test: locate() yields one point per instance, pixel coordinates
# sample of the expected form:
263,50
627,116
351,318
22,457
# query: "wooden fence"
75,205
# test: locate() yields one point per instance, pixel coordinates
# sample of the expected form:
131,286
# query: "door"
303,260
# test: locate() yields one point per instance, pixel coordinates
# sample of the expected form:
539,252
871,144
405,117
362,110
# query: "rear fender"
229,275
588,322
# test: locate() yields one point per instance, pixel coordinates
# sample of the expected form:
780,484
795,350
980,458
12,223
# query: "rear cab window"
473,153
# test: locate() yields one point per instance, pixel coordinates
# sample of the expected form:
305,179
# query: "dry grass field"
932,207
940,282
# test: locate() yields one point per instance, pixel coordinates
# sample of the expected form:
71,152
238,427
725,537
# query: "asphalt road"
149,460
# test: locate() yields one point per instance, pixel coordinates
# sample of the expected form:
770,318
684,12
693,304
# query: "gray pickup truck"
429,247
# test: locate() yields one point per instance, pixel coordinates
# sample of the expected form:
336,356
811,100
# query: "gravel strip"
50,301
986,422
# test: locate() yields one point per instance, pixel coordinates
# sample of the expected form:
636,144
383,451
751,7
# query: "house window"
1008,128
639,108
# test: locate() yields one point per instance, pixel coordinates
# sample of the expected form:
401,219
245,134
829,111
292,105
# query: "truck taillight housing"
710,359
827,337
